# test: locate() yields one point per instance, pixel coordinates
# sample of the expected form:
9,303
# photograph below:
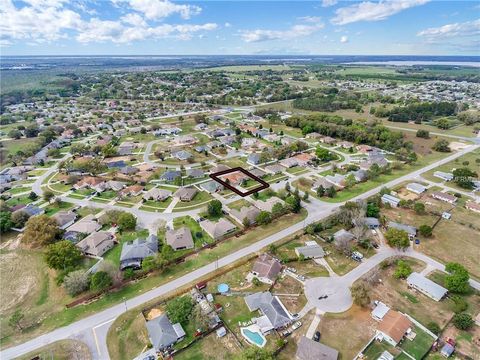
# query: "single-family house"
246,213
390,199
163,333
185,193
426,286
212,186
217,229
171,175
64,218
443,175
87,225
115,185
97,243
185,140
266,268
308,349
313,135
253,159
195,173
274,169
416,188
323,183
181,155
343,236
133,252
311,250
289,162
132,190
337,180
410,230
157,194
393,327
179,239
268,204
472,206
444,197
275,315
360,175
33,210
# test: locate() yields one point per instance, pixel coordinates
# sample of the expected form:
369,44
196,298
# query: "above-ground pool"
223,288
253,335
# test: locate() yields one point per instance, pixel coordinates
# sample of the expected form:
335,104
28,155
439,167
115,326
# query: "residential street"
337,288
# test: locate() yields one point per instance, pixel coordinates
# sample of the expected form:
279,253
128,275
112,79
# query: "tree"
442,145
33,196
264,218
305,196
246,222
425,230
48,195
76,282
41,231
179,309
214,208
459,304
397,238
361,294
15,134
464,178
126,221
425,134
457,278
167,252
320,191
324,154
277,209
331,192
463,321
19,218
419,208
62,255
372,210
15,320
100,281
293,202
403,270
6,222
434,327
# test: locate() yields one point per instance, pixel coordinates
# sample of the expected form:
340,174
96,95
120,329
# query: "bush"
434,327
425,230
361,294
76,282
459,304
457,278
403,270
462,321
126,221
179,309
100,281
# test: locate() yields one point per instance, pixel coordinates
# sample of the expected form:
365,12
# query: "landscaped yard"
200,199
199,236
56,207
419,346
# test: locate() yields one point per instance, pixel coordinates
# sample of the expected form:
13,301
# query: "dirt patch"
455,145
14,288
290,292
153,313
12,242
406,195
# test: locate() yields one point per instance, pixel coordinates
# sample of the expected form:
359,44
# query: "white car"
296,325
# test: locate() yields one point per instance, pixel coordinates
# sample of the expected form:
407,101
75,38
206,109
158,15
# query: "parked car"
316,337
296,325
417,241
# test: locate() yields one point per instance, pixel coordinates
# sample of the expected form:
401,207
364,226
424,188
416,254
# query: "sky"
167,27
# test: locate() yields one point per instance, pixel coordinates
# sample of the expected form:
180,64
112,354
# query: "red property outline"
264,184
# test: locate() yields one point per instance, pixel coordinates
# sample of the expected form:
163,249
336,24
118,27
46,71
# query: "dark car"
316,337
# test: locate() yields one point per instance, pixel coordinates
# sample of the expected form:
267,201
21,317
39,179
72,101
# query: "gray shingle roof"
270,306
163,333
308,349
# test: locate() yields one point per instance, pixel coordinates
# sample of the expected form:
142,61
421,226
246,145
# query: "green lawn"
420,345
52,209
199,236
200,198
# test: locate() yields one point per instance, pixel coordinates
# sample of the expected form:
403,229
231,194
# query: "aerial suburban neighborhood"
244,207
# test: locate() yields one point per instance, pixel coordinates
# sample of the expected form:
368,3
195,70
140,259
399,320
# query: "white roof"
380,310
427,285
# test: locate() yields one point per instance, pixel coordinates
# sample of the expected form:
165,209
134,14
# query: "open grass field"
13,146
470,160
129,337
61,350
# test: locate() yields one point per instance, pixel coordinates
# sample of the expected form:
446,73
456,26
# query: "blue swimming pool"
254,337
223,288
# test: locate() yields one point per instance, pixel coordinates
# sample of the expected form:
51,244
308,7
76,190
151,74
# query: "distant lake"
413,63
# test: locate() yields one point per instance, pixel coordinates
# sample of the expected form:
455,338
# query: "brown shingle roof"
395,325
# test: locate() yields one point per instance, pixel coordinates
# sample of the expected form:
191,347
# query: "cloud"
293,32
328,3
310,19
455,30
227,25
372,11
41,21
344,39
159,9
